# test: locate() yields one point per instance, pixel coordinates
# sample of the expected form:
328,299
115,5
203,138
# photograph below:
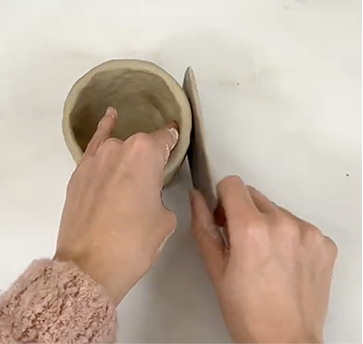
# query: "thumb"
207,236
166,138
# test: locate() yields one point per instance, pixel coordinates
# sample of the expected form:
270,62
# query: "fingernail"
175,137
111,112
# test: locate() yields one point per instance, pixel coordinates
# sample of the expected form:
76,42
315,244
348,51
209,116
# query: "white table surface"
280,84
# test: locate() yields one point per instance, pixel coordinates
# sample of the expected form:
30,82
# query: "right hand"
273,283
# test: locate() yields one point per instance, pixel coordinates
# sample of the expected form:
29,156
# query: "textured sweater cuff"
57,302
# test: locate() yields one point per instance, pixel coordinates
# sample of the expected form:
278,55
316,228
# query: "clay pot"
145,96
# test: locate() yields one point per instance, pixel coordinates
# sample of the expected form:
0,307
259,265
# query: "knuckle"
142,142
250,189
283,221
287,227
256,228
313,234
255,234
332,247
111,144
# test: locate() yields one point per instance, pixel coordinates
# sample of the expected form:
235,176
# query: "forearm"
56,302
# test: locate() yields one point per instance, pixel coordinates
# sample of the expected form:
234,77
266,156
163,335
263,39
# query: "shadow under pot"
145,97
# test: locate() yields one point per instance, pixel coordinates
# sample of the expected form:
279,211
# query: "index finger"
103,132
236,201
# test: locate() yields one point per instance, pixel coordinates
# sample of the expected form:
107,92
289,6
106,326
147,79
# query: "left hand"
114,223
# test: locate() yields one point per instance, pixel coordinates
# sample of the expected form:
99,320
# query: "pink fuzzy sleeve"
55,302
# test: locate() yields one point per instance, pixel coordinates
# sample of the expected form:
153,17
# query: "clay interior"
143,100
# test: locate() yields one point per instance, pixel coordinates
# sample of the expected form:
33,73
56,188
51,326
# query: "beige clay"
145,96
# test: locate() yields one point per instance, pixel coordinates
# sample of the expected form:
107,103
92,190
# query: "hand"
273,283
114,223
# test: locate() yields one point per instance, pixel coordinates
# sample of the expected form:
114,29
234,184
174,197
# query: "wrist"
100,275
308,338
297,339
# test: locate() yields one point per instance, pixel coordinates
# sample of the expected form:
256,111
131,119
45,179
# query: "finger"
302,223
306,229
262,203
103,132
166,139
332,247
236,202
206,235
